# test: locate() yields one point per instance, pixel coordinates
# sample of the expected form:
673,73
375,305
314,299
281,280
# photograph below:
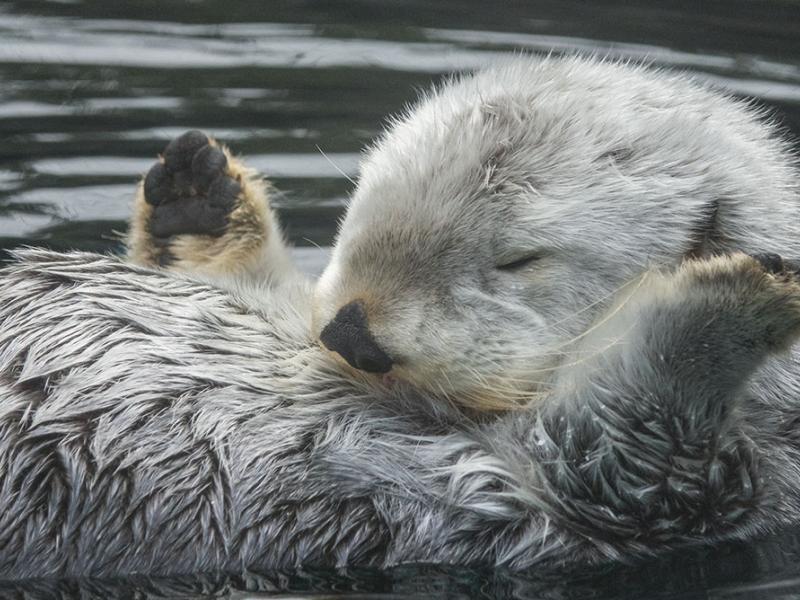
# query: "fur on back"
152,424
149,423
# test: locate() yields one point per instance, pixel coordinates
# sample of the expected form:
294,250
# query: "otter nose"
349,335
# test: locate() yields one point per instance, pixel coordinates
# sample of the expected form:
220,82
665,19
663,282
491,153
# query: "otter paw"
189,189
759,295
200,209
776,265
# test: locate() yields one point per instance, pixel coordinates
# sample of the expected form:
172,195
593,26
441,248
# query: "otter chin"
495,218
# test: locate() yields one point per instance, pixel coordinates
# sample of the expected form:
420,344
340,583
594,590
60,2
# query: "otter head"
489,227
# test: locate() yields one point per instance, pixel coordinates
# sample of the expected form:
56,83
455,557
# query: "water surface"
90,91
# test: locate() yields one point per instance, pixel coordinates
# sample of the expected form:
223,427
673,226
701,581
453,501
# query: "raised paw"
200,209
189,189
756,297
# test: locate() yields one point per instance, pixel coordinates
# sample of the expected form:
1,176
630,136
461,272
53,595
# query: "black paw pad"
223,192
179,152
157,185
772,263
208,164
194,216
189,190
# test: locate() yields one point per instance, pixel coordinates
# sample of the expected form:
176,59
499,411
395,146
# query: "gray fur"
153,423
602,170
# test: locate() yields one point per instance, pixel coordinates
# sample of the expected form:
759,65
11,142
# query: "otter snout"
348,335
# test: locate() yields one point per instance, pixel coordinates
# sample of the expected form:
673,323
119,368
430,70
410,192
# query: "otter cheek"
499,369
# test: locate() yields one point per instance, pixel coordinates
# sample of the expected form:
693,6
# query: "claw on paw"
772,263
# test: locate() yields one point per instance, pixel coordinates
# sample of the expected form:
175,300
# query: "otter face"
492,224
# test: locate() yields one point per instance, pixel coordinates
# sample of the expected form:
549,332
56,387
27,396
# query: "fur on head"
494,220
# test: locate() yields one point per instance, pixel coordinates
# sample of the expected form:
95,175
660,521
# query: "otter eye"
519,263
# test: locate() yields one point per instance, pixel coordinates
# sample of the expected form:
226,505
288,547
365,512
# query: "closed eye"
519,263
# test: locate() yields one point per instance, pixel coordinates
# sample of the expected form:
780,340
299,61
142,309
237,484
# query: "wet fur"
170,422
187,429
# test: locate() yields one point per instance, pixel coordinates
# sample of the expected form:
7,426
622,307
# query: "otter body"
571,232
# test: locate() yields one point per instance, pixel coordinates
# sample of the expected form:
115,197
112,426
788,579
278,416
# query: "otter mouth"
705,235
388,379
471,398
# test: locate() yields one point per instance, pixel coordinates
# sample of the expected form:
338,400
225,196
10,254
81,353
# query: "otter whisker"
335,166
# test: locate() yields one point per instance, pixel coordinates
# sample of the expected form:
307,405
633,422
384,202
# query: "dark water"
766,570
90,91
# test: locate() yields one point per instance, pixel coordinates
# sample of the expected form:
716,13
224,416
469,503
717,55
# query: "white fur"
604,169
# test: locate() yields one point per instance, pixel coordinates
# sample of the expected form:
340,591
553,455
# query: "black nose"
349,335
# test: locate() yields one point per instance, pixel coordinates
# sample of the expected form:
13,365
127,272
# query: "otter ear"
505,112
705,237
494,173
502,119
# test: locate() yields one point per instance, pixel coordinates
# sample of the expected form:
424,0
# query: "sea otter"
557,326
